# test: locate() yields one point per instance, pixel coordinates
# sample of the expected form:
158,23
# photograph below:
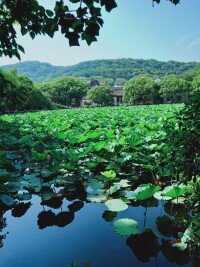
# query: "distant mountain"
111,68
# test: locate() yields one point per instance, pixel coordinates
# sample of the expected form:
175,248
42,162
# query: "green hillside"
112,68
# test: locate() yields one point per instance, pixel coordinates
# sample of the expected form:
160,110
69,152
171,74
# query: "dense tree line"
66,91
175,88
114,69
18,93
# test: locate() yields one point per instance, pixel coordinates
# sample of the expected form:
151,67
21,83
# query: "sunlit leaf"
116,205
126,227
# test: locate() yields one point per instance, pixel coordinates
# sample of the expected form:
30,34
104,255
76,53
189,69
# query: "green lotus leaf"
99,145
126,227
93,135
130,195
113,189
146,191
24,196
39,156
159,196
7,200
25,138
96,198
109,174
2,152
174,191
13,187
117,186
95,184
62,135
116,205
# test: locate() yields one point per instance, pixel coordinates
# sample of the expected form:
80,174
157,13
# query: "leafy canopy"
64,90
174,85
79,19
100,94
138,89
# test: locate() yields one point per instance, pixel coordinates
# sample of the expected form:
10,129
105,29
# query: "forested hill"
112,68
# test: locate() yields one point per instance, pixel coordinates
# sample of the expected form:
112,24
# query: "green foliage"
174,86
194,240
174,191
185,140
65,91
84,21
18,93
100,95
138,89
15,91
143,192
104,70
196,84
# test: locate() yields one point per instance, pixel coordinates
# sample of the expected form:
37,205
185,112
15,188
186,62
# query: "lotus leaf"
126,227
96,198
146,191
174,191
159,196
117,186
109,174
7,200
116,205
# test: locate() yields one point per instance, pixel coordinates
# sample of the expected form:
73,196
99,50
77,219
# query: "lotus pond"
92,187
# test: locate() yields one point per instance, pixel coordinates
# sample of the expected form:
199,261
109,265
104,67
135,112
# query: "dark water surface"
34,240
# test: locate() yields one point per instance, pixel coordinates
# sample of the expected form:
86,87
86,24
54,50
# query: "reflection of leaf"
183,244
165,225
116,205
126,227
144,245
176,210
149,203
45,219
64,218
20,209
108,215
54,203
48,218
75,206
174,255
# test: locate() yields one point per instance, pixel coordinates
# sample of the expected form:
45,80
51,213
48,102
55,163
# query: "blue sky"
134,29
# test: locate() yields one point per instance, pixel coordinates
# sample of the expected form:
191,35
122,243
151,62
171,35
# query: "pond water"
39,235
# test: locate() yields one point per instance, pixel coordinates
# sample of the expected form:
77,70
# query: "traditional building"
117,94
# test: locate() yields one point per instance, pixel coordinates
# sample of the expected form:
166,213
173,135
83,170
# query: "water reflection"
59,207
144,245
49,218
